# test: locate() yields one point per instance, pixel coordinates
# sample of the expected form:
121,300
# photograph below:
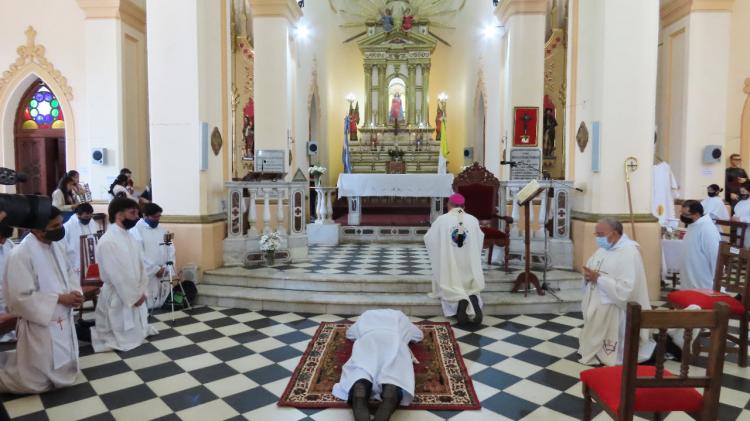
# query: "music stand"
524,198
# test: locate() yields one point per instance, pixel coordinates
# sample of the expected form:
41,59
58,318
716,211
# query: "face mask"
152,223
602,242
686,219
129,223
712,193
84,221
744,196
55,235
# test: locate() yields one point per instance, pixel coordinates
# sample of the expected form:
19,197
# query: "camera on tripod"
22,210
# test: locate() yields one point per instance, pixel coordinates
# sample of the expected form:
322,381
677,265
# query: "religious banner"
524,126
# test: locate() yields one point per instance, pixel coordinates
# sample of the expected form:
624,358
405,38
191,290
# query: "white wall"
739,69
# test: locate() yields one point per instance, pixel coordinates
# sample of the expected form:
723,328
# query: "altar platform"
352,278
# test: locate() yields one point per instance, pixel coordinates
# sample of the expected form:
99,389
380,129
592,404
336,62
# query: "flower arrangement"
270,242
316,171
396,154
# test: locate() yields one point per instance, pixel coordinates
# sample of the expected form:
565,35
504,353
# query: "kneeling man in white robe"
6,246
454,243
78,225
156,254
41,289
614,275
701,247
381,364
121,316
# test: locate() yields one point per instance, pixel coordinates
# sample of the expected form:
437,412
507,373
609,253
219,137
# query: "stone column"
693,95
382,95
426,94
274,68
368,95
115,62
412,95
525,24
186,90
615,87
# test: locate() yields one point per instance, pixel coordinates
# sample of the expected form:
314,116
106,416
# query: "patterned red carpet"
442,382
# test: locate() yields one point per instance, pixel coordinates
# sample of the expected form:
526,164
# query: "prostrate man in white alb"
6,246
121,316
42,291
79,224
381,364
454,242
701,247
614,276
156,254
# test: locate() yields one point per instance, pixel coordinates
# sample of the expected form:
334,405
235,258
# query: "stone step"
495,280
351,303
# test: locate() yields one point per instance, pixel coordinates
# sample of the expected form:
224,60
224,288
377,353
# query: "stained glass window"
43,111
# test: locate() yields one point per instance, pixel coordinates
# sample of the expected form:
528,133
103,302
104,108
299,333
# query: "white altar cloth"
395,185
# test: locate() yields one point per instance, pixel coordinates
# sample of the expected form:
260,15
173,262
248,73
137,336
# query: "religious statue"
397,109
438,123
387,20
353,121
248,130
408,20
549,132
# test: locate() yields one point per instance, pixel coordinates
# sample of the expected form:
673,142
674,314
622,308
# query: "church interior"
584,158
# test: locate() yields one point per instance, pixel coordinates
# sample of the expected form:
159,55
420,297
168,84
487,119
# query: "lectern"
524,198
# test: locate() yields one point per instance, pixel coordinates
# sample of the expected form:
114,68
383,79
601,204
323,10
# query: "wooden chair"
735,234
732,272
480,189
7,323
91,282
101,222
623,390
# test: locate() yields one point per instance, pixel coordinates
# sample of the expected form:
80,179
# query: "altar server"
713,205
156,253
42,291
381,364
78,225
614,276
701,247
742,209
121,316
454,242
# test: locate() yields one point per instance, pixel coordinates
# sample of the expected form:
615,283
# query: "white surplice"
119,324
715,208
155,257
380,354
742,211
74,229
456,271
701,250
46,355
622,278
5,250
664,192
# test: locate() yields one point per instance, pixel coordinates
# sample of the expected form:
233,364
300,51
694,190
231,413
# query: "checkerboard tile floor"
370,259
215,363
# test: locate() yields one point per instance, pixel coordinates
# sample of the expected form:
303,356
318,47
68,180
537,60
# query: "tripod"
169,265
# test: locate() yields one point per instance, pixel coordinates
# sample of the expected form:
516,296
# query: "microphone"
511,163
9,177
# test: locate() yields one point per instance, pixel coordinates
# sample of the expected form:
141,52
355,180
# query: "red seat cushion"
493,233
607,381
705,300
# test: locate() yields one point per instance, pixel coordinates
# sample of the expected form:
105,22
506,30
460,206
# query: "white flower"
270,242
316,170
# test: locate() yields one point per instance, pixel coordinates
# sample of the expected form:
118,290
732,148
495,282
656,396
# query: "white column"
523,83
185,95
273,23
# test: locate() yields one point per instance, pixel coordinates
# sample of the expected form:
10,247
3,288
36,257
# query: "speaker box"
98,156
468,153
312,147
712,154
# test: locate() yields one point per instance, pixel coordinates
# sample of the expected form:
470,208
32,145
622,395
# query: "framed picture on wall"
525,121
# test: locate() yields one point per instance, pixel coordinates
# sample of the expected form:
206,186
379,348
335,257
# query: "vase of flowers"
316,172
396,155
269,243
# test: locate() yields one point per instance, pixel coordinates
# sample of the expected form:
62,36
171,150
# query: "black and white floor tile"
215,363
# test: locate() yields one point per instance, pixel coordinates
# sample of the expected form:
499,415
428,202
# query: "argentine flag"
345,156
443,157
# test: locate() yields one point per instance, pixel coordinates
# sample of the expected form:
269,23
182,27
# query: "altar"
434,187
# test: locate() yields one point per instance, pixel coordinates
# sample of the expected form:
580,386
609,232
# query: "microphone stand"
550,181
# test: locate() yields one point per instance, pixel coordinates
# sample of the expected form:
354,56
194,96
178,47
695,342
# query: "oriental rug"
442,382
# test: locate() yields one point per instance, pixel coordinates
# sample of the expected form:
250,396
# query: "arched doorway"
39,140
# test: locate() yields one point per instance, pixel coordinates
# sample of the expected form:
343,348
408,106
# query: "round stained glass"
44,110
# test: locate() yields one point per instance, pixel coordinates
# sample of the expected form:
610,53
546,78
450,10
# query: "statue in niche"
387,20
397,109
248,130
408,21
438,122
353,121
549,132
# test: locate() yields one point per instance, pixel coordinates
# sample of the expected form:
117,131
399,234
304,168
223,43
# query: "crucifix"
525,137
